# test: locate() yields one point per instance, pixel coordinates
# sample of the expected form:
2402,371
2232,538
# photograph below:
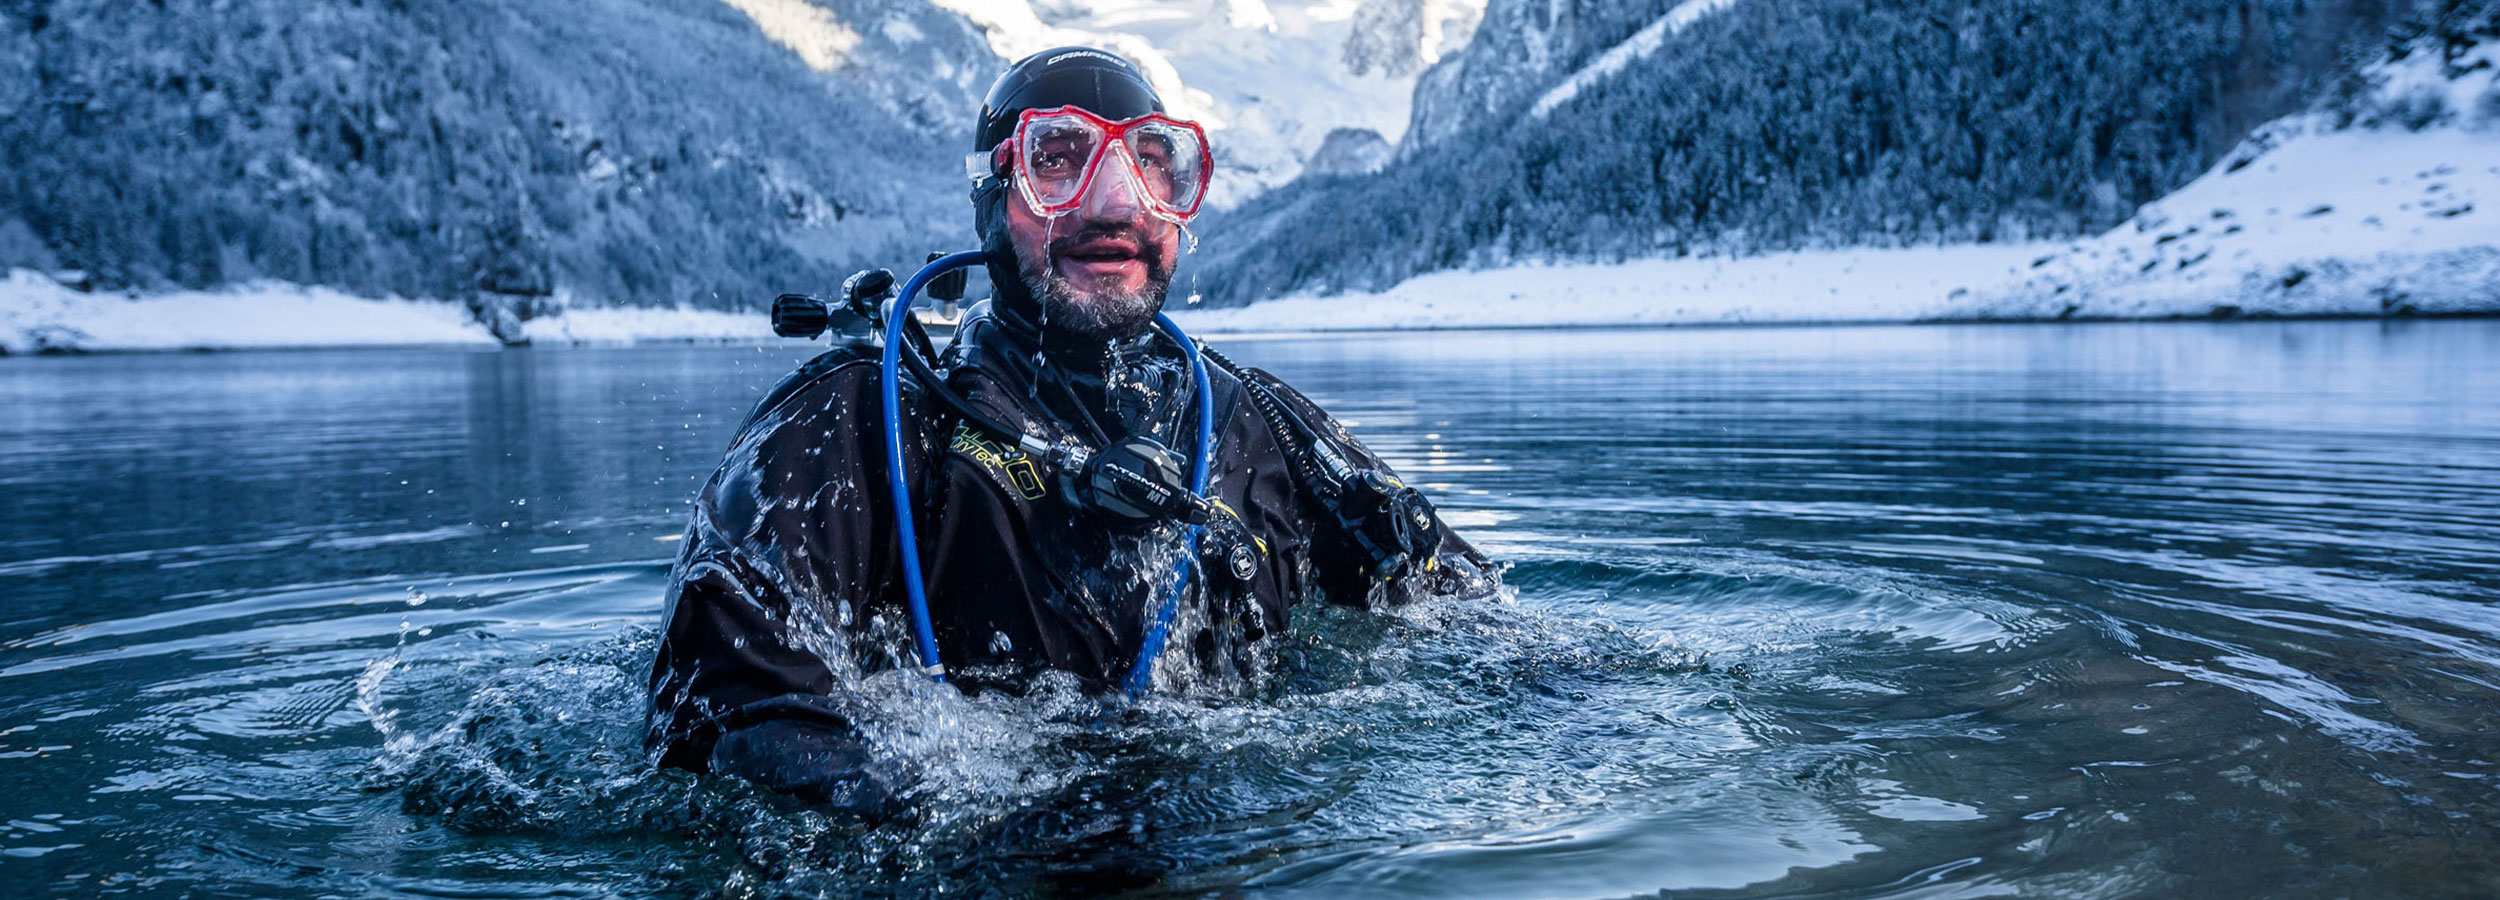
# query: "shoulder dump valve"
865,289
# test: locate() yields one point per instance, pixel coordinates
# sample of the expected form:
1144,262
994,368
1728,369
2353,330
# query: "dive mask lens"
1171,163
1056,155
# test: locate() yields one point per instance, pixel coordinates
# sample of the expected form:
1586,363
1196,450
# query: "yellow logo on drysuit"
1012,465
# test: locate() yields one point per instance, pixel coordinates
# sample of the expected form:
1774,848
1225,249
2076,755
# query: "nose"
1115,193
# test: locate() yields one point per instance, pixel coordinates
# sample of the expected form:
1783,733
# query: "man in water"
1082,186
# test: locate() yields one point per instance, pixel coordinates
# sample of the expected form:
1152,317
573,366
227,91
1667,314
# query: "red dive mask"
1058,154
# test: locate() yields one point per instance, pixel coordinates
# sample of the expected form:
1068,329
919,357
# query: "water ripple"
2092,611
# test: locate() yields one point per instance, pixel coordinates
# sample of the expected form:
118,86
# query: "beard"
1071,312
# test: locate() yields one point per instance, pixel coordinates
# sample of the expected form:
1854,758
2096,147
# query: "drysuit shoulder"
1380,540
847,355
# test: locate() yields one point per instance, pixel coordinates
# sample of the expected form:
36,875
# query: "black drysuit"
793,547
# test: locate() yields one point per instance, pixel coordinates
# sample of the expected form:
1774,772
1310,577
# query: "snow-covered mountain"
1600,130
2382,201
613,151
524,154
533,155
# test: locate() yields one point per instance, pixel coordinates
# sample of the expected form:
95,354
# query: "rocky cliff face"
1399,38
1522,48
1350,151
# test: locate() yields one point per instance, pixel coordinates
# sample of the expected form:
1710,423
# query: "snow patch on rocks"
1642,43
2347,223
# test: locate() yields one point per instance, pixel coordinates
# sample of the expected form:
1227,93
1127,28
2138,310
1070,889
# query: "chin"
1104,315
1071,311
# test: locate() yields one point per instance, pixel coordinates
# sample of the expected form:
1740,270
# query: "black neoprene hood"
1098,81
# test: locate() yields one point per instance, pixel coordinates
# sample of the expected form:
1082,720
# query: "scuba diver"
1088,487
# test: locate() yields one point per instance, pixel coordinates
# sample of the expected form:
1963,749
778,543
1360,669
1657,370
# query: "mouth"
1105,261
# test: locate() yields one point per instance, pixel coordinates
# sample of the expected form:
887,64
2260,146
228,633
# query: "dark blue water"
2090,610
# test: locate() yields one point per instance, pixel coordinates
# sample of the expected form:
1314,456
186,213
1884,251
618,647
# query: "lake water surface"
2085,610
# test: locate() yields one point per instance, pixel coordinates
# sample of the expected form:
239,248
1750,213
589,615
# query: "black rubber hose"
946,394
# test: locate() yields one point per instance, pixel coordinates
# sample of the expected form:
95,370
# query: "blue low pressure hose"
1140,675
923,633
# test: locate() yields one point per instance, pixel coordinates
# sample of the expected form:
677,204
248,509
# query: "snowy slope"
2308,218
2384,205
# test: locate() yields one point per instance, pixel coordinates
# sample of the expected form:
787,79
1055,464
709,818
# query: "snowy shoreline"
1285,334
39,314
1807,289
475,337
